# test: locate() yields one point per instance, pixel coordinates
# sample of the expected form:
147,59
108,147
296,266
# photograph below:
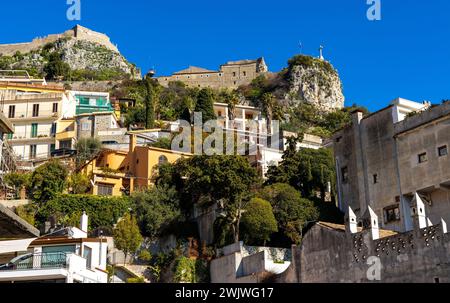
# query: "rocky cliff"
313,81
89,56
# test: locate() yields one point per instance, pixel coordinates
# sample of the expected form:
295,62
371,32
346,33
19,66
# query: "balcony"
36,262
27,137
42,116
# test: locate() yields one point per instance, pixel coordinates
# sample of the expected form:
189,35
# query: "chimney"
132,142
84,222
444,226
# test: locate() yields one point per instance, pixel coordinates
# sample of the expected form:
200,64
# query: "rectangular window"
344,174
391,214
55,107
87,254
85,126
53,130
105,190
10,136
34,130
52,148
33,150
234,74
12,111
67,144
423,158
35,110
244,73
443,151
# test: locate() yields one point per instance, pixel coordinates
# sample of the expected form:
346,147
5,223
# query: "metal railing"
38,261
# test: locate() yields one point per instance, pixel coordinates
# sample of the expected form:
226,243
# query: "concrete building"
34,110
384,158
238,263
65,256
117,172
231,75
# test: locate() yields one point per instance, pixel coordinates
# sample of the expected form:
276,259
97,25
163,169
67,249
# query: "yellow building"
113,173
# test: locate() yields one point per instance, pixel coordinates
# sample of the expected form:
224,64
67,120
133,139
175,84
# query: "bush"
190,271
102,211
27,212
258,221
145,256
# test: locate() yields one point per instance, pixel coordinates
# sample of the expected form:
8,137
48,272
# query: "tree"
307,170
17,181
56,67
48,181
291,211
232,98
206,180
151,98
155,209
258,221
205,104
78,184
87,148
127,237
164,143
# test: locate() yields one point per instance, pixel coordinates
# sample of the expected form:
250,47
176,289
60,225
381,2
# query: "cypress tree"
205,105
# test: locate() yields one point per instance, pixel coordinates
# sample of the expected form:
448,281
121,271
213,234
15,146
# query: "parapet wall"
332,256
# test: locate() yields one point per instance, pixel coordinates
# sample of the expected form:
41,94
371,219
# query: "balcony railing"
38,261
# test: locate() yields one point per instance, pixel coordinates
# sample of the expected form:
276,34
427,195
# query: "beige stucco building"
230,75
384,158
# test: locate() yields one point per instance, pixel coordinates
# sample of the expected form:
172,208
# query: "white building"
66,256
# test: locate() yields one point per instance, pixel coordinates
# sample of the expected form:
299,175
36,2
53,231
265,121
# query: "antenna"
321,53
300,44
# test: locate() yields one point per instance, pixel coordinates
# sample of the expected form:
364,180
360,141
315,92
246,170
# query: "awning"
15,245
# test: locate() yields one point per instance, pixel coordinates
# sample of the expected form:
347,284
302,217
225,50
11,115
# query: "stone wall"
334,256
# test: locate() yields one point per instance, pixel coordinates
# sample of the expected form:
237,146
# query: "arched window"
162,160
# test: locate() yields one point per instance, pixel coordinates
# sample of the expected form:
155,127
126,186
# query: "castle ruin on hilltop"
78,32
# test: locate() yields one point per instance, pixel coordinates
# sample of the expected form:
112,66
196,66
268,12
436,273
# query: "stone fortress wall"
78,32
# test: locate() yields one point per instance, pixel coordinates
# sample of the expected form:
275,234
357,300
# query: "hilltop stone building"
230,75
78,32
384,158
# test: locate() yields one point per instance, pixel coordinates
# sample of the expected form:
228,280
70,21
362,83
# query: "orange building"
113,172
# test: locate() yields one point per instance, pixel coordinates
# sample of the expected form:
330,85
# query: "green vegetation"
48,181
27,212
205,103
258,222
103,211
78,184
156,209
87,149
138,280
291,211
17,181
190,271
127,237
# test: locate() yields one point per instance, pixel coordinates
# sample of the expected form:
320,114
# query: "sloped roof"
14,227
194,70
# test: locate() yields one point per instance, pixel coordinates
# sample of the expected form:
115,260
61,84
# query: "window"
55,107
249,116
244,73
234,74
344,174
443,151
33,150
87,254
391,214
34,130
375,179
85,126
10,136
219,113
12,111
162,160
105,190
52,148
423,158
338,139
53,130
66,144
35,110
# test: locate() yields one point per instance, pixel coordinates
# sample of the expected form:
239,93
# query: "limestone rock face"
80,55
316,82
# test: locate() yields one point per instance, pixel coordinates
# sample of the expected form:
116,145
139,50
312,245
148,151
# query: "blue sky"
405,54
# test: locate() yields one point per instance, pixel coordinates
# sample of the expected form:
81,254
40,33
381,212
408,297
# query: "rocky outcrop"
89,55
313,81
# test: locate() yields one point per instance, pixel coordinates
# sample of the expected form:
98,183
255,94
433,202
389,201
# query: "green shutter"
34,130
